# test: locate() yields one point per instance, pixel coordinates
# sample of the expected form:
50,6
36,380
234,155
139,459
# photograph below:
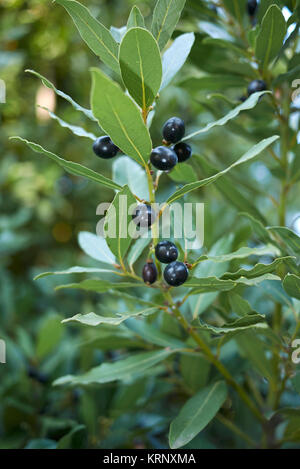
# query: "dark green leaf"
270,38
165,18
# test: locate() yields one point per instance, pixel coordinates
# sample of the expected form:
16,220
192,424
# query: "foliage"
207,364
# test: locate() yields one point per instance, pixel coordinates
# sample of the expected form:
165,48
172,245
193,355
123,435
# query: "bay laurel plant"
214,326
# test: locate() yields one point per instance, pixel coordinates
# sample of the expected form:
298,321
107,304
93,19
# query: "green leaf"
254,349
75,129
291,284
208,284
236,8
200,303
63,95
250,103
212,82
49,335
165,18
246,322
95,247
121,370
194,370
127,172
117,216
249,155
271,35
137,248
120,118
100,286
95,35
258,228
92,319
226,45
239,254
152,334
75,270
175,57
141,67
72,168
183,172
196,413
288,238
135,18
256,271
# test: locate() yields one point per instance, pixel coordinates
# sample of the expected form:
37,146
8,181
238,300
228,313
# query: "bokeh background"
42,209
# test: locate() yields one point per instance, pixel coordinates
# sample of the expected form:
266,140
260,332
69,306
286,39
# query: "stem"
236,430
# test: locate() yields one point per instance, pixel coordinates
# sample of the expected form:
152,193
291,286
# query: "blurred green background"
42,209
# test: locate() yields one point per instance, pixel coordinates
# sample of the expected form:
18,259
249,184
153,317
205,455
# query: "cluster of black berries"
175,274
162,157
165,158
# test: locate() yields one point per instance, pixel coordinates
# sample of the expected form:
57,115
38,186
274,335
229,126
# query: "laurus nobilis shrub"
218,323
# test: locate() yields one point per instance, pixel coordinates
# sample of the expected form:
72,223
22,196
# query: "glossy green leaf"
75,270
208,284
226,45
200,303
152,334
135,18
183,172
291,284
87,112
96,36
256,271
48,336
100,286
165,18
249,321
73,168
239,254
95,247
270,38
120,118
75,129
250,103
137,248
194,370
92,319
196,413
123,369
117,216
289,239
237,8
175,57
141,67
249,155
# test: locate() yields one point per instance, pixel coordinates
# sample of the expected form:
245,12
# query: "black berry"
176,273
163,158
166,252
173,130
149,273
144,216
183,151
252,7
256,85
105,148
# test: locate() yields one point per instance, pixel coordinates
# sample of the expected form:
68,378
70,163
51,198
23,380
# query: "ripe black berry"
173,130
176,273
256,85
163,158
166,252
144,216
251,7
183,151
149,273
105,148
